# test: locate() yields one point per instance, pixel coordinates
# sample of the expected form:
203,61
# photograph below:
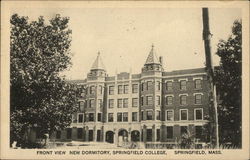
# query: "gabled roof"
98,64
152,57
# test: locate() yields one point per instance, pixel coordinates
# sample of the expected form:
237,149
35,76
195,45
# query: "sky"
124,36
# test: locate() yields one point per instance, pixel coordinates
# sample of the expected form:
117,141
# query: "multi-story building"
152,106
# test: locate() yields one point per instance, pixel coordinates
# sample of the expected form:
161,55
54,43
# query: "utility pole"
209,69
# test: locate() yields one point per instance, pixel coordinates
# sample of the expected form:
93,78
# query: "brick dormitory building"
153,106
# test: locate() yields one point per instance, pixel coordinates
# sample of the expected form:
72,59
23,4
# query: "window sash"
80,118
169,86
198,114
134,102
134,116
135,88
111,90
183,85
125,103
184,115
183,99
170,116
120,90
197,84
111,103
119,117
110,117
169,100
125,89
198,99
125,117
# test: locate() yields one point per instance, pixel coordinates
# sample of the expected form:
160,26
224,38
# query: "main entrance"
110,136
122,137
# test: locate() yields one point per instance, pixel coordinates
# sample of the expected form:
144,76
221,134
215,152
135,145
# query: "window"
111,90
111,103
91,89
110,117
169,86
149,135
79,133
158,115
99,103
149,115
125,103
169,100
149,100
58,134
99,89
183,99
120,89
135,88
125,116
169,115
119,117
80,118
99,117
119,103
142,101
158,134
170,132
81,106
158,100
134,102
149,84
198,99
69,133
184,115
142,115
98,138
184,130
142,86
134,116
91,117
198,132
197,84
198,114
158,85
125,89
183,84
91,135
91,103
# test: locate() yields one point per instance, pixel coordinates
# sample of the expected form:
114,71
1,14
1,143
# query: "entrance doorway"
110,136
122,137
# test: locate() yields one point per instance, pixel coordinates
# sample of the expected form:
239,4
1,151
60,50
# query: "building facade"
153,106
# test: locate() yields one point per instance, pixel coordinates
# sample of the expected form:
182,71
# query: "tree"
228,81
39,97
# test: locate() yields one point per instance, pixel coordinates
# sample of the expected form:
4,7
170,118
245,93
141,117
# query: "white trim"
169,95
196,78
182,79
169,80
184,75
201,114
180,114
166,115
183,94
198,93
